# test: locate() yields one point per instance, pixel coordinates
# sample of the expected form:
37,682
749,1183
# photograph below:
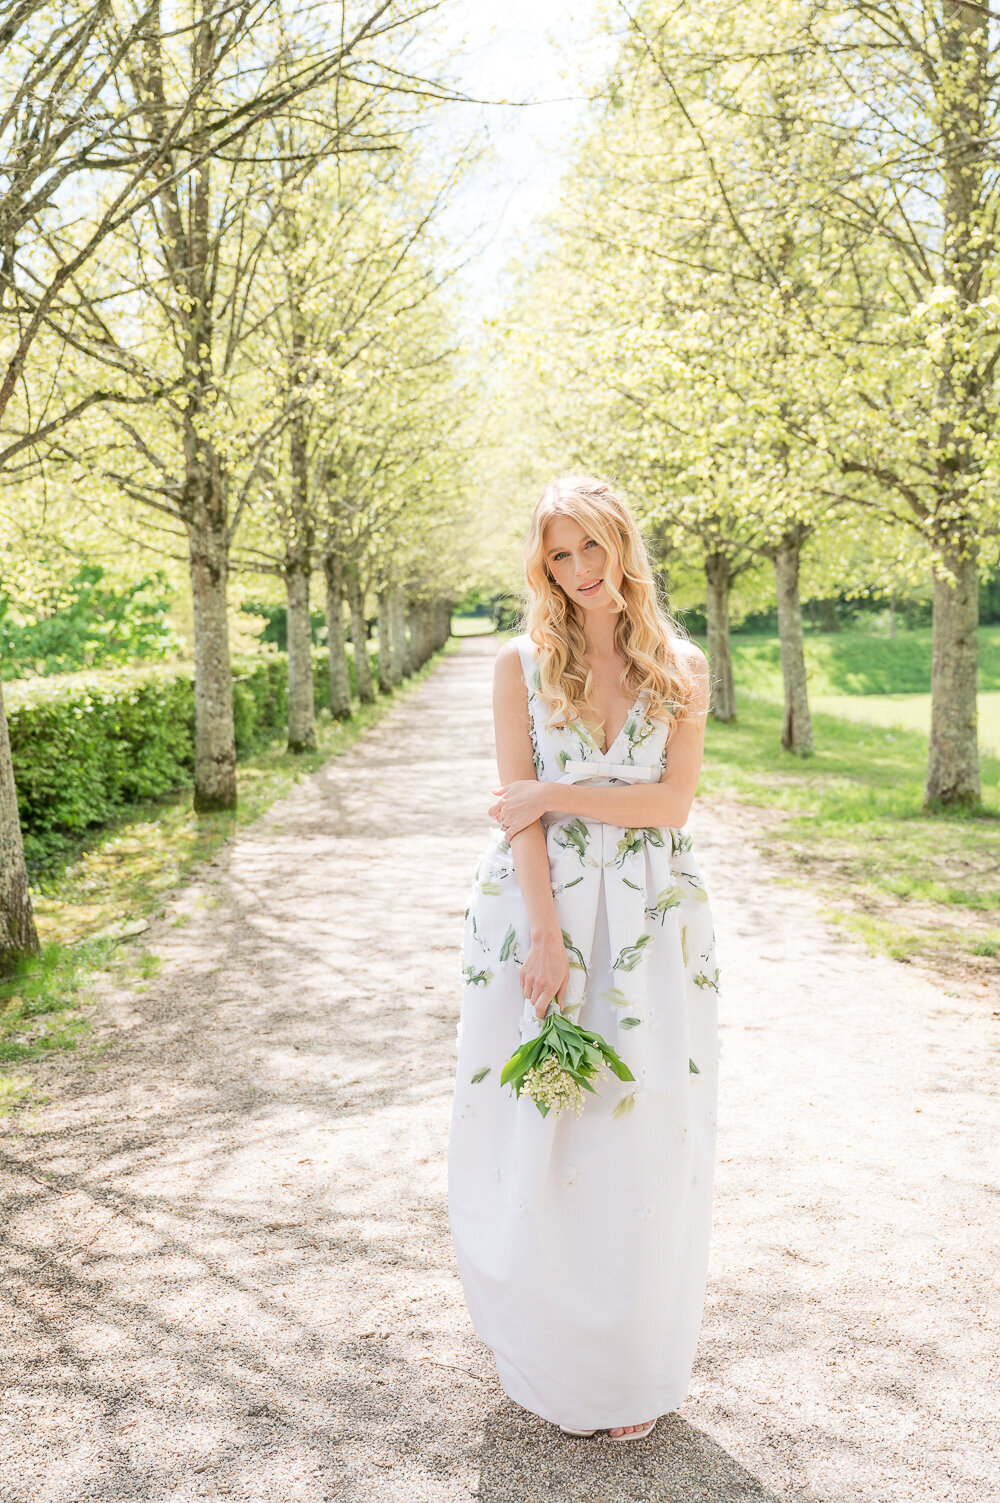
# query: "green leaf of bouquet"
516,1065
619,1067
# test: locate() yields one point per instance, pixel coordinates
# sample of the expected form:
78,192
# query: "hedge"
85,745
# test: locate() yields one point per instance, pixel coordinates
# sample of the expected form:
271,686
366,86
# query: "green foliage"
88,623
87,745
38,1002
275,633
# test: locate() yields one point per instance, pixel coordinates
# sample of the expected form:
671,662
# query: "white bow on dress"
601,767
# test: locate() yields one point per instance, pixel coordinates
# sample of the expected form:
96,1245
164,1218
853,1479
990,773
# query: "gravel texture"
228,1272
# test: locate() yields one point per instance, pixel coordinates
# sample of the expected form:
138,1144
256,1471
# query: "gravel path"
228,1268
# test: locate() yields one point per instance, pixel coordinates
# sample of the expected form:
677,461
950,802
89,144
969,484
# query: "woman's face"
580,565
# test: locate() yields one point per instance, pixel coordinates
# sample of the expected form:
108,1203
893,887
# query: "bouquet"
560,1063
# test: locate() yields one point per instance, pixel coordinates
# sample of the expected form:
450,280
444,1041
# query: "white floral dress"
582,1242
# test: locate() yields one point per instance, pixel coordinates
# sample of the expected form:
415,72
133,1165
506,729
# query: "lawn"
853,663
850,820
912,711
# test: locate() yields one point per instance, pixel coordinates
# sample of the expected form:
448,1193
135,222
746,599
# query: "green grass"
912,711
471,626
122,873
909,883
842,663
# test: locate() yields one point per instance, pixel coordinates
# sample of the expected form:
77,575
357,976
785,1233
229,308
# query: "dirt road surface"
228,1272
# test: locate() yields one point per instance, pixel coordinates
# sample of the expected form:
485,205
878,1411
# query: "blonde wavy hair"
646,633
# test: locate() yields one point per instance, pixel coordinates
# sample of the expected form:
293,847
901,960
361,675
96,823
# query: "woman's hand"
519,805
545,972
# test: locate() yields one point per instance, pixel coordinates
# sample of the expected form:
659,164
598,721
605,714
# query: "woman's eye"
592,543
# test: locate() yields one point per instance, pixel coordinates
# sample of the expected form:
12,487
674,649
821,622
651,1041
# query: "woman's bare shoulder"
691,656
507,666
510,647
690,653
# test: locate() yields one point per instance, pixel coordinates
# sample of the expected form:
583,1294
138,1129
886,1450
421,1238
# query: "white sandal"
568,1431
632,1434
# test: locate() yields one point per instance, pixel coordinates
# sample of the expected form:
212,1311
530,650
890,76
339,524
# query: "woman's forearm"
632,805
530,854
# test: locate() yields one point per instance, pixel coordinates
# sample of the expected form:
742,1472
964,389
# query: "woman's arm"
639,805
545,971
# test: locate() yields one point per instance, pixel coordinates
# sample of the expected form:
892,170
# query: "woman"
582,1241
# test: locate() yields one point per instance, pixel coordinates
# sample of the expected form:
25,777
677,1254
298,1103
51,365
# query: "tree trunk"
953,760
385,655
359,635
404,665
214,733
301,697
414,627
18,935
418,633
395,654
796,731
340,678
964,86
723,691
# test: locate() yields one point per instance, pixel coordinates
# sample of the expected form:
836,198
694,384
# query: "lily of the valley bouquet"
560,1063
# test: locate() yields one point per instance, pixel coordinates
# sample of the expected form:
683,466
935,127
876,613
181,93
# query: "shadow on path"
524,1459
227,1269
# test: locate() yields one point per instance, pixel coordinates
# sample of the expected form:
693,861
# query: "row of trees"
229,329
771,307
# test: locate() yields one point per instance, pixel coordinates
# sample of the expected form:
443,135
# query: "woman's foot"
626,1431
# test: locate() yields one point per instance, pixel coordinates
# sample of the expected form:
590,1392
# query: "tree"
114,119
343,283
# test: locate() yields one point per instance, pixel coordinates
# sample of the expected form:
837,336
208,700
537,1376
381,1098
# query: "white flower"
550,1085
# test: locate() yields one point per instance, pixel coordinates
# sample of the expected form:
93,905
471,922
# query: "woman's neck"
599,633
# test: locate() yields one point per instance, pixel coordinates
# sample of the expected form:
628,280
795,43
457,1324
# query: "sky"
543,54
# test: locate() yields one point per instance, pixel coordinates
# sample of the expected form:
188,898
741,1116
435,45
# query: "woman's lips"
589,589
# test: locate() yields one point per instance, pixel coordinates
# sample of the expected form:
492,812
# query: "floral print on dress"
546,1211
655,896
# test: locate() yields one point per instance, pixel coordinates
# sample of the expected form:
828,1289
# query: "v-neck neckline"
612,744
